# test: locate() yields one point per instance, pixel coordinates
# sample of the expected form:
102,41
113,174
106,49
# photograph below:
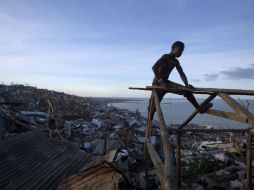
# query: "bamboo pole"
169,169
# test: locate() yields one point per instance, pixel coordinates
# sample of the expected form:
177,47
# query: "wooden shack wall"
101,177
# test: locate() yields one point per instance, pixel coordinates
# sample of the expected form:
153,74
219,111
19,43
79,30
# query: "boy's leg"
190,97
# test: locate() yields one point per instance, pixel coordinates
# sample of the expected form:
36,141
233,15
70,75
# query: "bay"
176,110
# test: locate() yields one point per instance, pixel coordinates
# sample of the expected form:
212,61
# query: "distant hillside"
33,99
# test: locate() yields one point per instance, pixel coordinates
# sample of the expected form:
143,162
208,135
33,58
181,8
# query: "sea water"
177,110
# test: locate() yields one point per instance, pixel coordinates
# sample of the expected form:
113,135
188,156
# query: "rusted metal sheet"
99,174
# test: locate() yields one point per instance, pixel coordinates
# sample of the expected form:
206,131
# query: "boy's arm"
182,75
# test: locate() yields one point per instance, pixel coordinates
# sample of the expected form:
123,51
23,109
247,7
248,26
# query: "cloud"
195,80
211,77
239,73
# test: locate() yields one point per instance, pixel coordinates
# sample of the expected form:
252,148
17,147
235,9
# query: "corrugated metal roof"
100,174
31,161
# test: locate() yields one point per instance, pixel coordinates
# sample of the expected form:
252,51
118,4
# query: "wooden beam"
228,115
138,88
159,166
198,90
172,90
227,91
209,99
238,108
207,130
169,169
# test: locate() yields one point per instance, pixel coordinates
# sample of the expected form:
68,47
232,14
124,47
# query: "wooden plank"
172,90
159,166
228,115
209,99
198,90
169,169
238,108
206,90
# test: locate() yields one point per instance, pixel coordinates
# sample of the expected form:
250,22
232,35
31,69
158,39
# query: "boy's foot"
204,108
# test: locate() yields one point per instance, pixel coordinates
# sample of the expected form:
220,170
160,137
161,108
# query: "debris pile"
213,161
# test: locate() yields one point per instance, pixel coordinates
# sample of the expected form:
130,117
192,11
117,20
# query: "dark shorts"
161,93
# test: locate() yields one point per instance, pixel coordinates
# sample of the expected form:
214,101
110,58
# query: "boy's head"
177,48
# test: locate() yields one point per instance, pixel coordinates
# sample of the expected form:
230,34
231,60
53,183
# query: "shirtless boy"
163,68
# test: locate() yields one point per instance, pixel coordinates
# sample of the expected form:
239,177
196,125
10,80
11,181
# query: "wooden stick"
179,165
249,160
206,130
169,169
159,166
147,136
228,115
209,99
238,108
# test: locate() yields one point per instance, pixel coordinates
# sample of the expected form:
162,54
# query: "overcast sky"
102,47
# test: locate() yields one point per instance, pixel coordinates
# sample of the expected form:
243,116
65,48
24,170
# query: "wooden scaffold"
168,171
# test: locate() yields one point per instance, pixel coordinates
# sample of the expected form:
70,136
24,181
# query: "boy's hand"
190,86
162,82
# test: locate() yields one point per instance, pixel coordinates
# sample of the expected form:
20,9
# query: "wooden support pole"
159,166
238,108
249,160
169,169
146,163
178,157
228,115
147,136
151,106
209,99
